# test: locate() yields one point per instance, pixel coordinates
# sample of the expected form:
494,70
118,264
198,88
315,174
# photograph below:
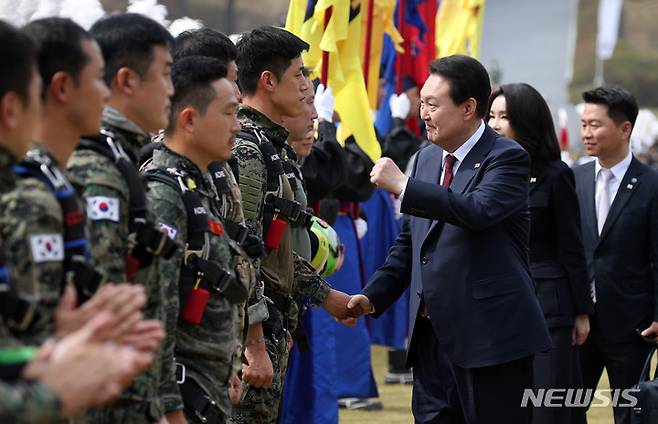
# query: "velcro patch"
47,247
103,208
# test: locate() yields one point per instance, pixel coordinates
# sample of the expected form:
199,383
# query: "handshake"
347,309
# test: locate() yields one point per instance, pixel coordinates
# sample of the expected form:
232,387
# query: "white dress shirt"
618,172
461,153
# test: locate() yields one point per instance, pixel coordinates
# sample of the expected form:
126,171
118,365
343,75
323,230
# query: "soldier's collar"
252,118
165,157
40,149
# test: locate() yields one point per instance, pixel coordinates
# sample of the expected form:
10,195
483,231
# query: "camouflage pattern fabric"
206,350
231,209
261,406
28,402
32,226
276,269
106,195
23,402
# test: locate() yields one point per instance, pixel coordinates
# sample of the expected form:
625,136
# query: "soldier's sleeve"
104,195
253,180
172,219
308,282
28,402
34,246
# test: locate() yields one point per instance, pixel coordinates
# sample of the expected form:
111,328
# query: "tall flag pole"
366,59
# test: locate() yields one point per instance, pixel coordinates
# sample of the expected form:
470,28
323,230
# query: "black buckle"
181,374
155,242
236,232
196,399
84,277
18,313
288,208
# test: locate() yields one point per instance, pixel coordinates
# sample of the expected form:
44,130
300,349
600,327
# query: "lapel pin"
533,180
633,180
630,186
477,165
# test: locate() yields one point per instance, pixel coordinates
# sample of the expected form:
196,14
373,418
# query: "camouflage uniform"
7,184
33,233
28,402
23,401
301,241
205,350
277,269
106,194
255,310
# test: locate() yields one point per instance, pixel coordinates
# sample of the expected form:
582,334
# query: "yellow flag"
459,27
349,87
343,39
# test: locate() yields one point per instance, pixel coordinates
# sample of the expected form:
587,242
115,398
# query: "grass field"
397,400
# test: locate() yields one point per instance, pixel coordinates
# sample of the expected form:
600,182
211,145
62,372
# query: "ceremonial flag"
459,27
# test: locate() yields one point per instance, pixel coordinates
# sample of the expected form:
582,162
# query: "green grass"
397,400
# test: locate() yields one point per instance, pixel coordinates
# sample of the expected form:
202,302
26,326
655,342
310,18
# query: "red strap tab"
73,217
216,227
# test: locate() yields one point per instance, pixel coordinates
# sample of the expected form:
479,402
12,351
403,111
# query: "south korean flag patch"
47,247
168,230
103,208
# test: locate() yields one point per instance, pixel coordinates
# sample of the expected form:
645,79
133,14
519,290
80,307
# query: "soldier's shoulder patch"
103,208
170,231
47,247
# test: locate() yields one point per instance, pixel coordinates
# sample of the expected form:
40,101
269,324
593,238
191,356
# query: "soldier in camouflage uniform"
22,401
36,231
300,137
211,43
60,384
124,241
201,130
270,73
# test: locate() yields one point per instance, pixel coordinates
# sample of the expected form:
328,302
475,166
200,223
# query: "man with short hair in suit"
475,322
618,199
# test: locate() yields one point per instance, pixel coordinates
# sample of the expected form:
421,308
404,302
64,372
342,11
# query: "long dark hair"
531,120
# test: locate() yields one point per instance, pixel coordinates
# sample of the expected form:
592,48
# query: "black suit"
465,248
559,268
623,261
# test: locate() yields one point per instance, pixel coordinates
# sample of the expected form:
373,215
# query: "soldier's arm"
107,229
171,217
34,246
308,282
28,402
101,187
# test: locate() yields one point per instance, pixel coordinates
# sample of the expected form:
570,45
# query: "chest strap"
197,269
16,312
150,241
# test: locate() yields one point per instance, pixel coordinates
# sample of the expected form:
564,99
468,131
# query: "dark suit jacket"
624,259
466,250
557,255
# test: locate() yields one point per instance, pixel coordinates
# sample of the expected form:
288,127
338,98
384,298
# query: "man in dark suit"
618,199
475,323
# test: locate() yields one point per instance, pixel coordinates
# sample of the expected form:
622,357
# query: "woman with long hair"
557,257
